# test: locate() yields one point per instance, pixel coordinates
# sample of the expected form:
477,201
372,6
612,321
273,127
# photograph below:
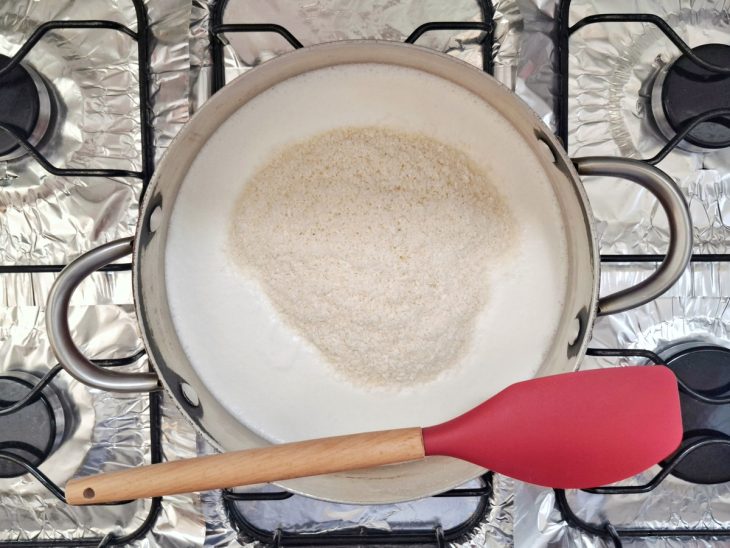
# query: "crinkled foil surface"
50,220
46,220
610,66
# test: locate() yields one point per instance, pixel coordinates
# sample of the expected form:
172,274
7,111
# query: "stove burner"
683,90
25,104
706,369
34,431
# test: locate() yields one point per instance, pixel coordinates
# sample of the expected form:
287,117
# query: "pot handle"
672,201
59,332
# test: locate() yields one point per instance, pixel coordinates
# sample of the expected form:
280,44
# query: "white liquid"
264,373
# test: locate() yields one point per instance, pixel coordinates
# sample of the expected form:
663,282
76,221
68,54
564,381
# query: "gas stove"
92,92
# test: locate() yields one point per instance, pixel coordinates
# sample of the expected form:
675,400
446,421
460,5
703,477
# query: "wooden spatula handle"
275,463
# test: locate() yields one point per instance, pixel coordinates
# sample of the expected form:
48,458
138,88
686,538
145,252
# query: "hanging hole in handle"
89,493
576,334
189,394
546,148
574,331
155,219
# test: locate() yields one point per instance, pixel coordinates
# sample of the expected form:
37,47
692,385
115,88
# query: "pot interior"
238,372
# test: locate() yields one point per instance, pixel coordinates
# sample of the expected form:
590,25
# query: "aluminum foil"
111,431
49,220
98,124
535,81
612,67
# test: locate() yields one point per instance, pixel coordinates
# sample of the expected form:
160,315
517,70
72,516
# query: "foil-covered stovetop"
47,220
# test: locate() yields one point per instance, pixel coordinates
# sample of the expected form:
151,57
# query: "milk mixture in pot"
288,356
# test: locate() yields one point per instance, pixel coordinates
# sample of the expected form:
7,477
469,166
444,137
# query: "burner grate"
360,536
56,491
142,38
564,32
218,30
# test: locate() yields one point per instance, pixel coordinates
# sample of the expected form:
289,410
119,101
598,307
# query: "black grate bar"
269,495
361,536
485,26
484,491
651,258
44,480
686,129
257,27
39,32
283,495
40,268
607,531
144,36
621,353
35,392
65,172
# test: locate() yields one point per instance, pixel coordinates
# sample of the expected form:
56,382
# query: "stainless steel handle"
680,228
59,332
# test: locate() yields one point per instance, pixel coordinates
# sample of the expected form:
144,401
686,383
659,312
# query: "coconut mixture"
375,245
266,370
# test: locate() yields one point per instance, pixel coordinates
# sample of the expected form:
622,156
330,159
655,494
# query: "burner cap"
25,105
705,369
33,431
689,90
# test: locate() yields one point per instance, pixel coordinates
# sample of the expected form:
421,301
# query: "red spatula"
570,431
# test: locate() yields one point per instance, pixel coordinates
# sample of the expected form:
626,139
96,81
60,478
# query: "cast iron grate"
358,536
607,530
155,457
142,38
564,32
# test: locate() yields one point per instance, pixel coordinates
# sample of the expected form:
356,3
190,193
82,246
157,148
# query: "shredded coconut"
375,245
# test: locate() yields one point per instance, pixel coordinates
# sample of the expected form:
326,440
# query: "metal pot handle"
680,228
59,332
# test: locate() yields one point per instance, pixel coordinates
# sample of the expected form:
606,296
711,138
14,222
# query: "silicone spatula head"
571,431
